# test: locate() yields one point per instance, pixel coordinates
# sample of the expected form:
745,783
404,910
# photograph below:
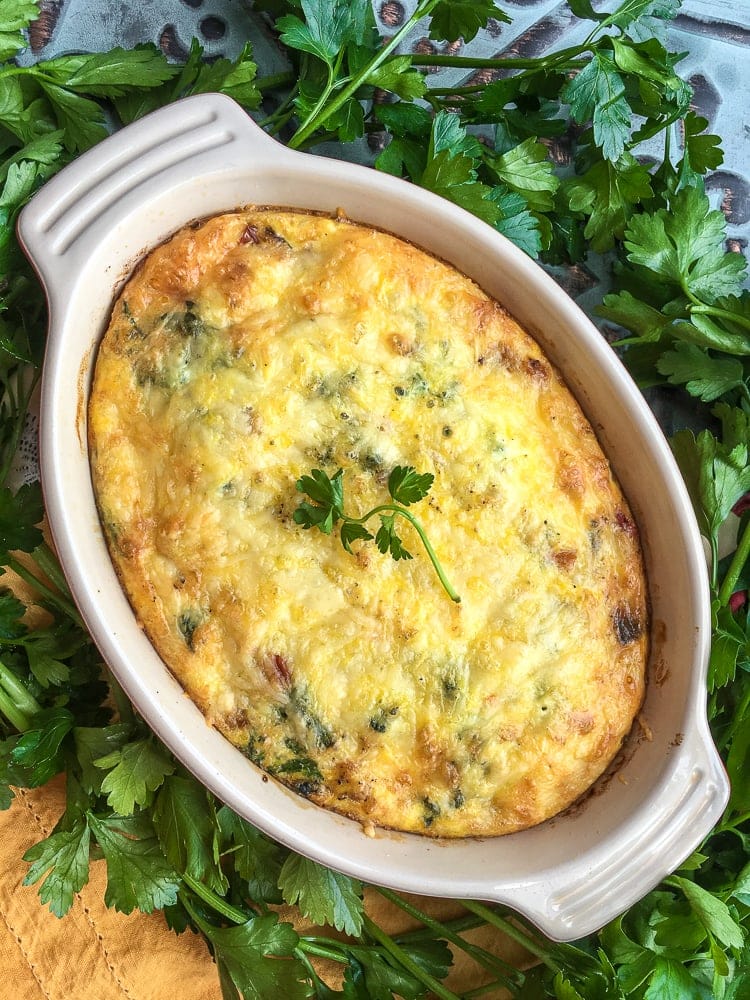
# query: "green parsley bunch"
166,842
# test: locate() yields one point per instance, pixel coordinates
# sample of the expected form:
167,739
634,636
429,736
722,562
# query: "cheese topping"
262,344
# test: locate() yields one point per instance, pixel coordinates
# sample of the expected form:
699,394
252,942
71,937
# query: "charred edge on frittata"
627,624
257,235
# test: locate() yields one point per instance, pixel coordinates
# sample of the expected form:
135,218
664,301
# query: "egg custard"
258,345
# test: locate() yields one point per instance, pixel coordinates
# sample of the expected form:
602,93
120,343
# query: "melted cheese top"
262,344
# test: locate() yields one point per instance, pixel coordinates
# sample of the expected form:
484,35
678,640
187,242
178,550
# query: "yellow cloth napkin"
94,953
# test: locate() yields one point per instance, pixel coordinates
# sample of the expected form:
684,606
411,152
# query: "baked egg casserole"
259,345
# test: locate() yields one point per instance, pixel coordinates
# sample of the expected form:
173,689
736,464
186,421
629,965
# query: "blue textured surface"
713,34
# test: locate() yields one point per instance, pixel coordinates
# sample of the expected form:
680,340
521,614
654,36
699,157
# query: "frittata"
258,345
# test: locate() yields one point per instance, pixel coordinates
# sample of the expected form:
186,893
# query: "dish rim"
68,224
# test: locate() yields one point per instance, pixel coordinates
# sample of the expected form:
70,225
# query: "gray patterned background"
713,34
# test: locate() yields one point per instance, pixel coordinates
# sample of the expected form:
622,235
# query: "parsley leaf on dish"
109,74
527,170
325,490
134,772
323,896
250,957
352,532
20,516
406,487
138,874
39,750
683,246
606,194
15,17
597,94
185,823
327,509
454,19
256,859
717,475
388,540
704,375
61,861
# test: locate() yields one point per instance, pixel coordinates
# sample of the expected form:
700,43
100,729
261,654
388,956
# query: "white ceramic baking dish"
85,230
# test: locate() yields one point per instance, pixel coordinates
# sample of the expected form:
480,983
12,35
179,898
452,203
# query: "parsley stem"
468,922
214,900
314,121
284,110
455,91
480,991
740,557
468,62
662,125
512,931
275,122
300,954
275,80
713,543
396,509
321,102
731,317
484,958
22,705
13,714
730,825
61,602
49,564
311,947
404,959
124,708
332,950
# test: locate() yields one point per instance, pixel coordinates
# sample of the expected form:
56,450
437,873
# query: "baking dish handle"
66,220
686,806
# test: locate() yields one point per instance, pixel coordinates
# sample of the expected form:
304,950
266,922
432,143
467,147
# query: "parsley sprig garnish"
405,485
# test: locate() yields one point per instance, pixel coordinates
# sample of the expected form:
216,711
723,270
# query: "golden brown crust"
261,344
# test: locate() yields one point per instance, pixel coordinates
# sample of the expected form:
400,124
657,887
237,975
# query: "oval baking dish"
84,232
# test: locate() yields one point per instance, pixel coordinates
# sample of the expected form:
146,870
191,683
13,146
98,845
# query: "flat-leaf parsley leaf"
405,485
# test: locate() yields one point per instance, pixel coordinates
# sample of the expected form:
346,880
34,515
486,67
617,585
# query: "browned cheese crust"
261,344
